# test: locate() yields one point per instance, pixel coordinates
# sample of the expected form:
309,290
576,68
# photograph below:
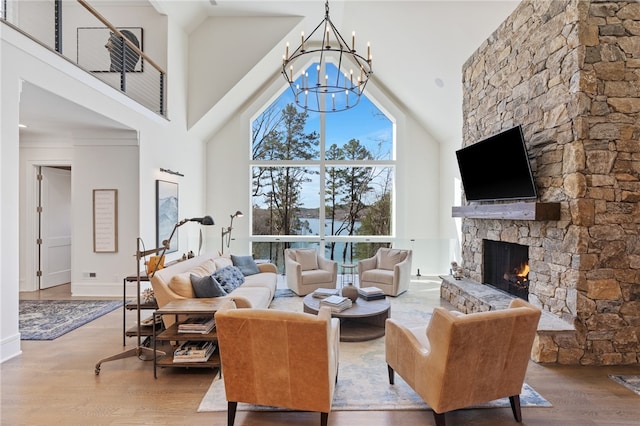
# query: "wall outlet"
89,275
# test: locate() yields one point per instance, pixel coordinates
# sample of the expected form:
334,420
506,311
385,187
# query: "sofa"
175,282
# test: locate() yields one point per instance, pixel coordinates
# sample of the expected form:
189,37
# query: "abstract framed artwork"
166,212
98,49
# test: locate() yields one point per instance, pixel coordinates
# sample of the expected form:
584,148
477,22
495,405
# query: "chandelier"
326,76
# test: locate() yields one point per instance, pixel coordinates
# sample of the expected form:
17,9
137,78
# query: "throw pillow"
205,268
229,277
246,264
307,259
206,286
388,258
181,284
223,261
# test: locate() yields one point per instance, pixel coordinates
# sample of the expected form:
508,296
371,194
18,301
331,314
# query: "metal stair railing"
114,55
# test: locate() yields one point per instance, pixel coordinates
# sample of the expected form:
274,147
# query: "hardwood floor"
53,383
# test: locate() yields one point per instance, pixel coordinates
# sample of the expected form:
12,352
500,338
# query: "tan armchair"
306,271
278,358
462,360
389,270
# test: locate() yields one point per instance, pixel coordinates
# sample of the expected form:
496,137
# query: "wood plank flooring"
53,383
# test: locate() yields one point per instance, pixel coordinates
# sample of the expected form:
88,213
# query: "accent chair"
459,360
389,270
307,271
278,358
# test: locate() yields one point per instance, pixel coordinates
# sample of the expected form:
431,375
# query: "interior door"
55,226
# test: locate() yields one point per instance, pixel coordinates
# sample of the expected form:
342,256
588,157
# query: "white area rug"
363,382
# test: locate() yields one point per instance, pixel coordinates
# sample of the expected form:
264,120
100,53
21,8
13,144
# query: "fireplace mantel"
513,211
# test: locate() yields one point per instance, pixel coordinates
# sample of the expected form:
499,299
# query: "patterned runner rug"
363,382
631,382
50,319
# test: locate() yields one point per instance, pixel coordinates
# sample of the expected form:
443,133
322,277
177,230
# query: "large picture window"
322,180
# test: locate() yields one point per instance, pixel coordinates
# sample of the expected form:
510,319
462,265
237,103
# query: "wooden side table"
181,308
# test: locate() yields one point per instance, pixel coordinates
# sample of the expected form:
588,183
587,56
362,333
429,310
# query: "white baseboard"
110,289
10,348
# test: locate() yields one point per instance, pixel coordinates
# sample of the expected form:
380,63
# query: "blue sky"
364,122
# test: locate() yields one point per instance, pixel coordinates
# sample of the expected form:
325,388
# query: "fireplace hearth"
506,266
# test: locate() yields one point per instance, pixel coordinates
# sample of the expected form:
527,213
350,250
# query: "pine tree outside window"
322,180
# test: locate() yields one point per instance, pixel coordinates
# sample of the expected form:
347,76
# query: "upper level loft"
122,48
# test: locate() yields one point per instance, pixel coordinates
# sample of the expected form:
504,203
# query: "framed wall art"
98,49
105,220
166,213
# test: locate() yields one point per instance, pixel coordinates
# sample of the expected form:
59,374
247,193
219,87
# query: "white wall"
161,143
417,181
97,166
9,217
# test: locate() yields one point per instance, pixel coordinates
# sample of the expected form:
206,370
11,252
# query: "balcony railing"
81,34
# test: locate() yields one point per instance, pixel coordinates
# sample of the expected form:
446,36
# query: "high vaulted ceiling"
418,46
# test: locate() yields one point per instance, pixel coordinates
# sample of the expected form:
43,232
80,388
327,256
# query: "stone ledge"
470,296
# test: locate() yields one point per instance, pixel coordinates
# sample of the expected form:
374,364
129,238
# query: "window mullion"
321,180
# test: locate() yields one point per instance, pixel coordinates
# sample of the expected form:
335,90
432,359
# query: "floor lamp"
139,350
227,231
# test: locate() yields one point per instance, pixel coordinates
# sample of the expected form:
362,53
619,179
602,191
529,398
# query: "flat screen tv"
497,168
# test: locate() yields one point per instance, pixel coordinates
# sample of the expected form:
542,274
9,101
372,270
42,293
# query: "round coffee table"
363,321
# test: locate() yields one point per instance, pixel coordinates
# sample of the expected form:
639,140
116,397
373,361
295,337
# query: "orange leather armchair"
461,360
278,358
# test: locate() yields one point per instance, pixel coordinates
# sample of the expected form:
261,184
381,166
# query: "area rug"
50,319
363,382
631,382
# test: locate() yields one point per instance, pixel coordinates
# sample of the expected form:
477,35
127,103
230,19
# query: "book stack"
323,293
371,293
199,325
336,303
194,351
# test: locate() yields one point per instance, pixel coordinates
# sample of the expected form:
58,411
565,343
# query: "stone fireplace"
506,266
568,73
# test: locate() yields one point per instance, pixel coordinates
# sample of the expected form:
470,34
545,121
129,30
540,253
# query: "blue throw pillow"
229,277
206,286
246,264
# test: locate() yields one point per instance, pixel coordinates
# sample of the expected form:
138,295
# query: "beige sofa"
174,283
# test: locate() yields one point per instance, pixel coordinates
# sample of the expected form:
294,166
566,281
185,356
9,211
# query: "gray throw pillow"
206,286
246,264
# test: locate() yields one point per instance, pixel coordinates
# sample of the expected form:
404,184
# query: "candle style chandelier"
326,76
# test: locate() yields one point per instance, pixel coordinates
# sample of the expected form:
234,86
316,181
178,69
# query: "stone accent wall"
569,73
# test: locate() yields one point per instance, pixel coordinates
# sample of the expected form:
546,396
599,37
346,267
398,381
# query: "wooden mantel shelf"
512,211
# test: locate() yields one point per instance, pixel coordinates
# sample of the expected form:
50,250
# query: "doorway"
53,220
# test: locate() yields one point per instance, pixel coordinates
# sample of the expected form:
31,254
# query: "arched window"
322,180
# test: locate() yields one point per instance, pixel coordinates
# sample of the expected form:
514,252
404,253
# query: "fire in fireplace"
506,266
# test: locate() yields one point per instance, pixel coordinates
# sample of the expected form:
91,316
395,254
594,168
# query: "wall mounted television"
497,168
